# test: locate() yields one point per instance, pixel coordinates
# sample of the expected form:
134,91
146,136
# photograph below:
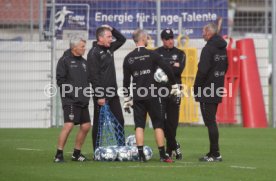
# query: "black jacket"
72,70
171,56
140,64
211,70
101,68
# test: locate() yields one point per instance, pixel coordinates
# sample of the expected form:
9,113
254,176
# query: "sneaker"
80,158
58,159
166,159
178,154
210,158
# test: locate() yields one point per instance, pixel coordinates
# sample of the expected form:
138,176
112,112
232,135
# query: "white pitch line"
143,165
28,149
183,162
243,167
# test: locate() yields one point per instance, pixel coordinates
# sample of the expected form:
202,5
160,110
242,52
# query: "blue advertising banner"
126,16
70,16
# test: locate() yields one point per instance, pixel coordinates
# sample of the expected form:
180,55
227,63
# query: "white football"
131,140
160,76
97,154
148,152
108,154
124,154
134,153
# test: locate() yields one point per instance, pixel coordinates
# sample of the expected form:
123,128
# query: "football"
105,154
108,154
97,154
124,154
131,140
148,152
160,76
134,153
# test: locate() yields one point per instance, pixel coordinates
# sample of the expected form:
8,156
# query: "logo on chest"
73,64
174,57
108,53
130,60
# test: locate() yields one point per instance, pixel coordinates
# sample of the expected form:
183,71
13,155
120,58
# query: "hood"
69,53
217,41
95,44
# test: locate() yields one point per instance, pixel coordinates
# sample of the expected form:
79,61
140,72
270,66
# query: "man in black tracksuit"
102,74
140,64
71,75
176,58
209,79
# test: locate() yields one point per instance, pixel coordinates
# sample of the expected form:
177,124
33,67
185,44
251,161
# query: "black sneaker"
178,154
58,159
79,158
210,158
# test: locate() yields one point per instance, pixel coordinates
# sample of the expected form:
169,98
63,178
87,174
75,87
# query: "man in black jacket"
102,74
176,59
71,75
208,85
140,64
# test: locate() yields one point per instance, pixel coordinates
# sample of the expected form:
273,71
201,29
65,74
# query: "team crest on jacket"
216,73
130,60
217,57
135,73
71,116
109,52
174,57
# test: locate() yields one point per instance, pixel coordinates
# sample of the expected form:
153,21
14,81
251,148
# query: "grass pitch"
248,155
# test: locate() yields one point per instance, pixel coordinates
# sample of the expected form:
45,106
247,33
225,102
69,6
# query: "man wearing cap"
176,58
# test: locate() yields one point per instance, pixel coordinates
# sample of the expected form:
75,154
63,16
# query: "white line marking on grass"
243,167
183,162
28,149
143,165
148,166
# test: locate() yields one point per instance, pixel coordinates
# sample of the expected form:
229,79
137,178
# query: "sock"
140,150
76,152
59,152
162,151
